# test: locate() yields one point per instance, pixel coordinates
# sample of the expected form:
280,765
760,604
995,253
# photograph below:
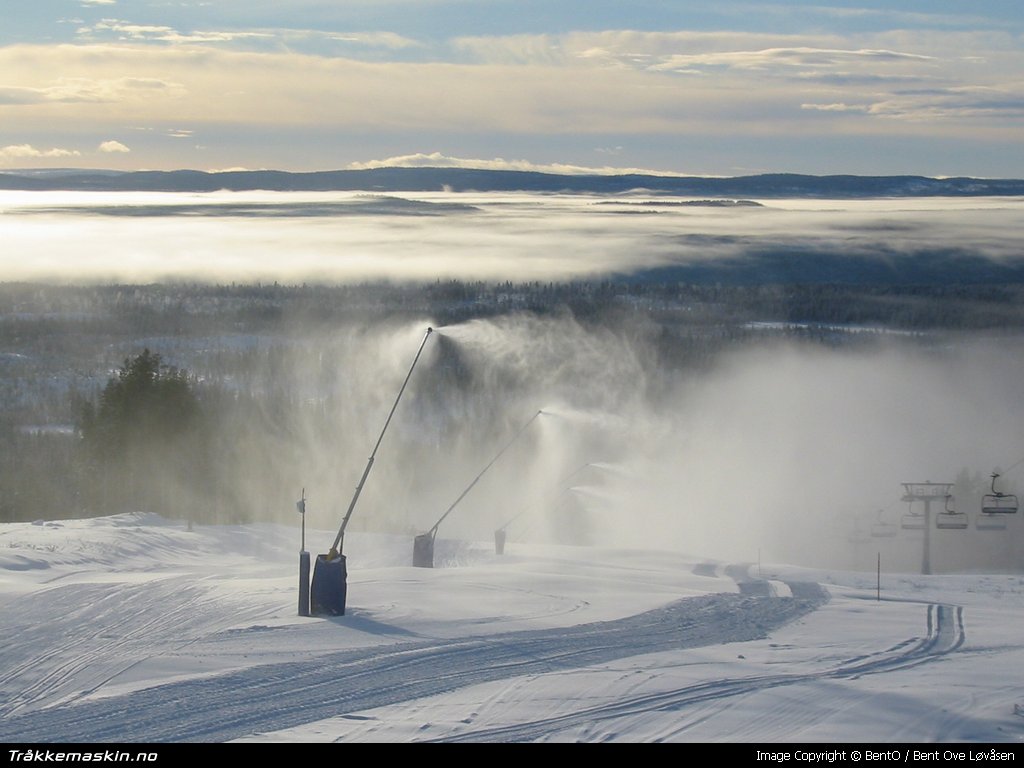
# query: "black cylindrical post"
303,583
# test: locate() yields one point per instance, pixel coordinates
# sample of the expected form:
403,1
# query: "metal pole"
926,558
878,579
433,531
303,560
561,482
339,539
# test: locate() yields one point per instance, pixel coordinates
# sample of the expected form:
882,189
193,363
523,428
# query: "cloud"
771,59
952,104
113,146
125,30
17,151
438,160
667,50
97,2
377,39
837,107
17,95
86,90
268,91
603,86
539,237
268,38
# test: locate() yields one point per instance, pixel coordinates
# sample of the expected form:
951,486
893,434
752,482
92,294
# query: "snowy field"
133,629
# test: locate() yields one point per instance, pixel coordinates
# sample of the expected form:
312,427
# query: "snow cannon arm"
340,538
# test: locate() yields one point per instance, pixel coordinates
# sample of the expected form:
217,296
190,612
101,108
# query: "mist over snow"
561,432
786,452
345,237
781,450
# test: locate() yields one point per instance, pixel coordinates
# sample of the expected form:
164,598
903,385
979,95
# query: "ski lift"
951,519
997,503
912,521
882,529
990,522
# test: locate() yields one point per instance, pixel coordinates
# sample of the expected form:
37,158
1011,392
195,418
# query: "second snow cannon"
330,573
423,544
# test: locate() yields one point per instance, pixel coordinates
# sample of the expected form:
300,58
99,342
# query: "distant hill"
463,179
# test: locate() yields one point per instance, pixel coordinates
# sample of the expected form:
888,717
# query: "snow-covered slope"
132,628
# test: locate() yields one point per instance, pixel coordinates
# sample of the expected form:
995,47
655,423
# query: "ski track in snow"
96,631
945,634
282,695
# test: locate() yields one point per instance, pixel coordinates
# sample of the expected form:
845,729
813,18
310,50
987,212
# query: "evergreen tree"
143,441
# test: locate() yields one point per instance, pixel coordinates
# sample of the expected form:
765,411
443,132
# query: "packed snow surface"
132,628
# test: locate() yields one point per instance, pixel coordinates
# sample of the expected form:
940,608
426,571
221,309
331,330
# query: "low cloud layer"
345,237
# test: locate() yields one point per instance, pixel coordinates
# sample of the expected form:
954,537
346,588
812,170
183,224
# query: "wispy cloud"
377,39
279,38
85,90
27,151
774,59
953,103
837,107
125,30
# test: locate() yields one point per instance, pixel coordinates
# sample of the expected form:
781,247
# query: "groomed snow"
132,628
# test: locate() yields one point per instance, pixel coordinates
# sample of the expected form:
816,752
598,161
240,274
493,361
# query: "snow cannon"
423,544
330,572
329,592
423,550
501,534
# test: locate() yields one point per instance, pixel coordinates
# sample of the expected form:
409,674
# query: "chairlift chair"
997,503
912,521
950,519
881,529
990,522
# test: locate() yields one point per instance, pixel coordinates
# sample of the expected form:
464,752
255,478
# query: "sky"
666,86
111,623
